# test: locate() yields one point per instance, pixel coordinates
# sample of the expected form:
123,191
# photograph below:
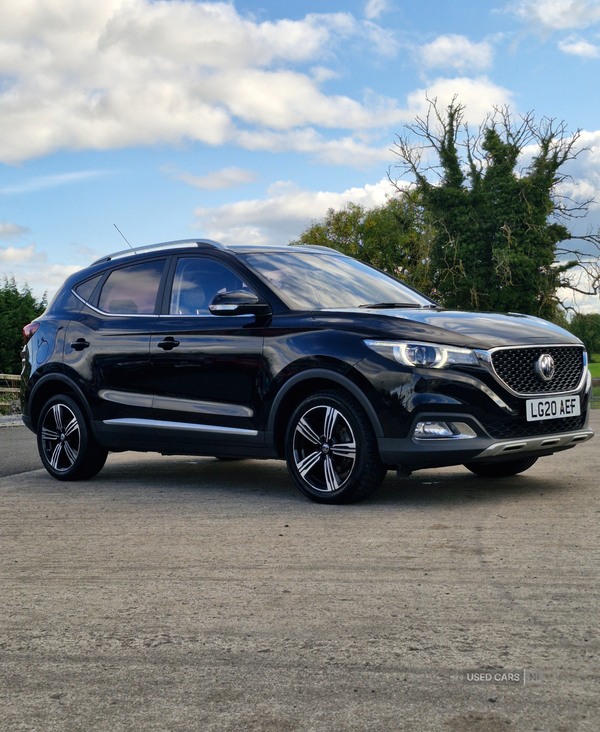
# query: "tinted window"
132,289
315,281
85,289
197,281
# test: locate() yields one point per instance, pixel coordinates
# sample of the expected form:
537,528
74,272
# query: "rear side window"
197,281
132,290
85,289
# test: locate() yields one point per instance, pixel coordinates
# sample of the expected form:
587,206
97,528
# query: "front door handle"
80,344
168,344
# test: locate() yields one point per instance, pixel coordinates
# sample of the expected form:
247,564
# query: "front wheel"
68,449
501,470
331,449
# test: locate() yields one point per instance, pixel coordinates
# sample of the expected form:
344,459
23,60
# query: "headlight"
425,355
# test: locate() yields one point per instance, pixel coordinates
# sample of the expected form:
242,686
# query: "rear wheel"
331,449
68,449
501,470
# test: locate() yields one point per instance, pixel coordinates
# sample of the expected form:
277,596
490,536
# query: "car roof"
210,244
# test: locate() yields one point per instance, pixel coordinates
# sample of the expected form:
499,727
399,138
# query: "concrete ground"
189,594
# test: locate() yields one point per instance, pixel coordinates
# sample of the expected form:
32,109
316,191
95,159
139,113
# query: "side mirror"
238,302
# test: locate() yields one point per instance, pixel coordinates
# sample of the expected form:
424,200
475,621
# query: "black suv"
302,353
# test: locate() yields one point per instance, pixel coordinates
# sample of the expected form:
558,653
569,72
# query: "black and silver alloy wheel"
324,448
69,451
60,437
331,450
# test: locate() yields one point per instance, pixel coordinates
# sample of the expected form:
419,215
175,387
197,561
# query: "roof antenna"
123,235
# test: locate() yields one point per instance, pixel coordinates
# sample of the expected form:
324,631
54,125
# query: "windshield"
309,281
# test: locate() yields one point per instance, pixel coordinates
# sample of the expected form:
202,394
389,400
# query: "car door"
107,348
208,369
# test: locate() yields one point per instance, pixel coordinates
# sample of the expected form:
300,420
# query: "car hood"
473,330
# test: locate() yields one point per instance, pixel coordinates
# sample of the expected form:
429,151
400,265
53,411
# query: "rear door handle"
80,344
168,344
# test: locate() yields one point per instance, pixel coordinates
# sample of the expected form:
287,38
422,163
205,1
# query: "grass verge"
5,401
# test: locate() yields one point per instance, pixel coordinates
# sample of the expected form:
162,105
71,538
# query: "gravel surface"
190,594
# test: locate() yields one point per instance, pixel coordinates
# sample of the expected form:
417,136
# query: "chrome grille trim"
489,364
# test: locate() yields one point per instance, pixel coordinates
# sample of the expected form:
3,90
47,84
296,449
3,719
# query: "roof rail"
179,243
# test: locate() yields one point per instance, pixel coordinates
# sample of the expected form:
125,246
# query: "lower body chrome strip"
131,422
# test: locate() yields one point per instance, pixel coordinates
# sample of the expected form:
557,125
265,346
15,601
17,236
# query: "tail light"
29,330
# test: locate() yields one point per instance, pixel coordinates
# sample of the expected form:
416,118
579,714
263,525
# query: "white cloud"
115,73
582,303
551,15
457,53
478,95
351,150
362,150
283,214
579,47
9,230
30,266
382,38
216,180
18,255
374,8
584,181
52,181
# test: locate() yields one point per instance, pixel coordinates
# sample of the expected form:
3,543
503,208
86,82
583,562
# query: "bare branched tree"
496,200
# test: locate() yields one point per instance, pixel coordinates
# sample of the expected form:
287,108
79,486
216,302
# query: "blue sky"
244,121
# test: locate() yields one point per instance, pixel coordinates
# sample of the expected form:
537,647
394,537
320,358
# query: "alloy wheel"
324,448
60,437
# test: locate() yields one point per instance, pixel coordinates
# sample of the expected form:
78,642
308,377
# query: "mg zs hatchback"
298,353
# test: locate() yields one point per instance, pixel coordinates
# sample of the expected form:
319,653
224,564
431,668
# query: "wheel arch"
298,388
49,386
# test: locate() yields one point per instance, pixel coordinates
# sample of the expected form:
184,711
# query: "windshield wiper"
381,305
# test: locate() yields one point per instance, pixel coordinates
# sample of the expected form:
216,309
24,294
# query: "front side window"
196,283
132,290
307,281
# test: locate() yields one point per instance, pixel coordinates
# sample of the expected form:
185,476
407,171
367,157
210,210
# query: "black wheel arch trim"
328,375
81,399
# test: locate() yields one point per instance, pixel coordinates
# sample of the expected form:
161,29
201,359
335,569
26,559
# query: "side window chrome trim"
115,315
154,315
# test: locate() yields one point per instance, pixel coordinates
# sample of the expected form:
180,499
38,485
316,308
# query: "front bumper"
413,453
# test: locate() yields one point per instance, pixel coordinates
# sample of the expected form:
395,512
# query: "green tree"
394,237
17,309
587,328
497,227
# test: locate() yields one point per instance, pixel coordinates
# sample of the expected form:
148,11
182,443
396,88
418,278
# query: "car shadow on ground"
270,479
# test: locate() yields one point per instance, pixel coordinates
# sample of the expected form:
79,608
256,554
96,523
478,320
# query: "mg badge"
544,367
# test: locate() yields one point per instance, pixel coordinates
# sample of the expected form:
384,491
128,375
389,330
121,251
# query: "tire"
501,470
331,450
68,449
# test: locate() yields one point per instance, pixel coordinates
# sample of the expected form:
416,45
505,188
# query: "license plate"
554,408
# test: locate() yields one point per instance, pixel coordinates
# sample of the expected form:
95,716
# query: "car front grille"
514,429
515,367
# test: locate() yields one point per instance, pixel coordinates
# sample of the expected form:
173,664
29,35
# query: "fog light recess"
443,430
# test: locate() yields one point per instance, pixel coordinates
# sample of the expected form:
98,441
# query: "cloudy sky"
243,121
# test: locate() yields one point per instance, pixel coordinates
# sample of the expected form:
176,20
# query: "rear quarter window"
86,289
132,290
